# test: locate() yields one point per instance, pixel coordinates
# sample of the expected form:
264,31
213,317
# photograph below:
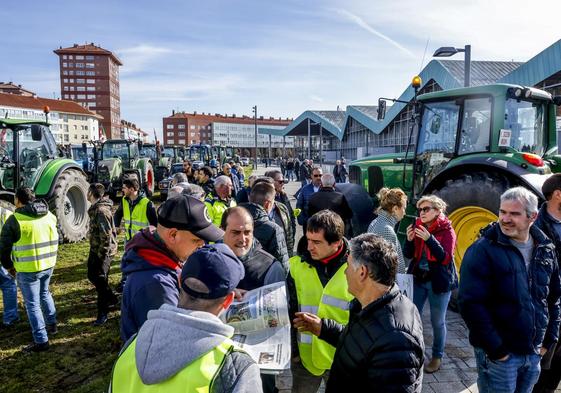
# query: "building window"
182,133
70,72
181,141
89,57
81,96
71,88
64,72
79,65
75,136
64,57
72,96
80,80
70,64
91,88
66,96
65,88
181,126
70,57
192,127
90,81
79,73
65,65
79,57
65,80
170,134
71,80
169,126
90,65
80,88
90,73
91,96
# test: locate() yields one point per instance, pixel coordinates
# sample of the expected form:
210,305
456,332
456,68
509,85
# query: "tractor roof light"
416,82
527,93
46,109
533,159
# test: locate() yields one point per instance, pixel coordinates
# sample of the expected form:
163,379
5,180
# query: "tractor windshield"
439,127
115,150
525,120
150,152
168,152
198,153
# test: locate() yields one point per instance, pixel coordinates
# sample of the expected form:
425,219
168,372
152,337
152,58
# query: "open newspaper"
262,326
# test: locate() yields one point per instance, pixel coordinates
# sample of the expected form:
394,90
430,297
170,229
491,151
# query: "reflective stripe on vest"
216,208
197,377
37,247
136,221
331,302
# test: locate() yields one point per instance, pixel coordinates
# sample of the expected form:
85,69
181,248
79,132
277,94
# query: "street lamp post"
309,140
255,153
447,51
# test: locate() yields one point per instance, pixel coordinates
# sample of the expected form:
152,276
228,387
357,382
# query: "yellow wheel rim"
467,221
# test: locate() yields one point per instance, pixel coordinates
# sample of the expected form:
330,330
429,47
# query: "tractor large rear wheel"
70,205
473,203
149,180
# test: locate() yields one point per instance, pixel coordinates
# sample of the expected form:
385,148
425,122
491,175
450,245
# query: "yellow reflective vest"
136,221
197,377
216,208
37,247
331,302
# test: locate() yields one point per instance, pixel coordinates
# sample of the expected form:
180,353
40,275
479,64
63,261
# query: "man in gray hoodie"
188,347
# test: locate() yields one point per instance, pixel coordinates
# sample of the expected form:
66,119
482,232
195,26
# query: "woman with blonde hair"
392,209
430,245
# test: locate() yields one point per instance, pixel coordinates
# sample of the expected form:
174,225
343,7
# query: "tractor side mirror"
381,109
557,100
36,132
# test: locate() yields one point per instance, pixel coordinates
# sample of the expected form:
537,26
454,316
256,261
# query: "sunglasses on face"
425,209
317,175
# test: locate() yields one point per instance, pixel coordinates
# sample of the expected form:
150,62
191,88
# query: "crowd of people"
214,239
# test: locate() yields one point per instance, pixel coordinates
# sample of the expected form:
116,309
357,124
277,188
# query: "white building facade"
243,136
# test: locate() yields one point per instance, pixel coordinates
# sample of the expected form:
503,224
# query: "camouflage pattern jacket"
103,235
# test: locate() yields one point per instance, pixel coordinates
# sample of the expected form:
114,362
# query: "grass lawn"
81,356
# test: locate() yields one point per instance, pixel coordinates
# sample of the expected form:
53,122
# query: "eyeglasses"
425,209
280,180
317,175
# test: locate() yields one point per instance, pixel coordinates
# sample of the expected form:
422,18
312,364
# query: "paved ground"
457,374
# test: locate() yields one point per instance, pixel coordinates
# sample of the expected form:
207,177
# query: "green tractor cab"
169,156
29,158
121,159
471,144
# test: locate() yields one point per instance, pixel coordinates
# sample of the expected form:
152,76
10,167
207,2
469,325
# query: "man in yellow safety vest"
188,348
137,212
317,284
29,245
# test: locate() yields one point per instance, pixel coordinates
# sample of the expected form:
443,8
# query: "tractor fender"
47,181
511,170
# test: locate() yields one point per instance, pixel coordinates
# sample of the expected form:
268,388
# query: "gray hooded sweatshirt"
172,338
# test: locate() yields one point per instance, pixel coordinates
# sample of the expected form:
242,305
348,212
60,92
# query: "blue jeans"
9,296
438,304
38,302
517,374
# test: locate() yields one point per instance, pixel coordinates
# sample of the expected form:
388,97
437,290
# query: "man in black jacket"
269,234
283,215
509,296
382,346
327,198
549,221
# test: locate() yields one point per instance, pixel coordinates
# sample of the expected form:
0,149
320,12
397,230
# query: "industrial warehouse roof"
448,74
332,122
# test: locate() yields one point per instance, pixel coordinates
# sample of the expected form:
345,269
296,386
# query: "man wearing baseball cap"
188,348
154,257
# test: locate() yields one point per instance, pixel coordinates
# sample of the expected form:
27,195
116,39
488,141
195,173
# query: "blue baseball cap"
217,267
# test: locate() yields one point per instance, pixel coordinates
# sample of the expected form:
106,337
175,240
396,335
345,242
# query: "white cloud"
138,58
361,23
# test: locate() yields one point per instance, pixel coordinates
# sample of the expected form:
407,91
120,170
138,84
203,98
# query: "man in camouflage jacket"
103,247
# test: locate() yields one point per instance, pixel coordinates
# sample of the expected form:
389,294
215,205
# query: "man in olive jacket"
103,247
382,346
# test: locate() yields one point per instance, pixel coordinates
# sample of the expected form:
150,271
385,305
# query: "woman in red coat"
430,243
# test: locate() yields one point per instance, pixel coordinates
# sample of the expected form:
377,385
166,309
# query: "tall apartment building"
236,131
70,123
89,75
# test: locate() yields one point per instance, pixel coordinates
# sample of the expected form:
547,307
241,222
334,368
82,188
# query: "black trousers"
98,272
550,378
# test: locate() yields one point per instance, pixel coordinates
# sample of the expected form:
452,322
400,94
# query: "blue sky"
283,56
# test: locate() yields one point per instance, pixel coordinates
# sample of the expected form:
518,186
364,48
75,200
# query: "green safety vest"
216,208
197,377
136,221
331,302
37,246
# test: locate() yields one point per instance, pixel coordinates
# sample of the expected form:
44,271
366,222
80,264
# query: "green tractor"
121,159
169,155
471,145
28,157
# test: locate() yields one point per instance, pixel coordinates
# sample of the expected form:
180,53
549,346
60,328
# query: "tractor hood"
110,169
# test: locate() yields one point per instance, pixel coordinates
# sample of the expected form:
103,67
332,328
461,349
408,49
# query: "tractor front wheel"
70,205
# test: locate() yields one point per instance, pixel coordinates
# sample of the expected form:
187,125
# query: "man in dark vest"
261,268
